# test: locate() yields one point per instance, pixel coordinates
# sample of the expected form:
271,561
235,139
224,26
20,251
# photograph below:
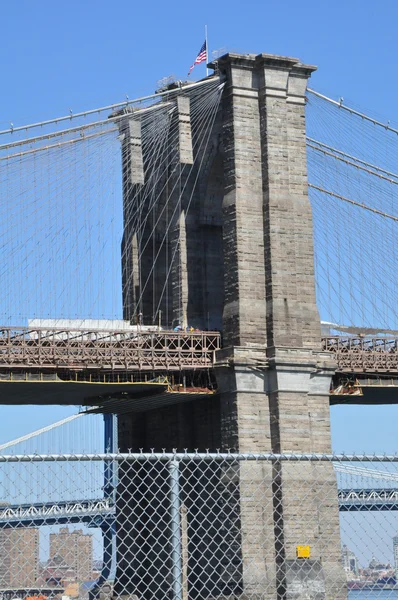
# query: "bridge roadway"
367,368
104,350
127,364
361,354
80,366
118,351
97,512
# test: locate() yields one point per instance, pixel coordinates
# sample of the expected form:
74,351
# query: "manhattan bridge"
208,268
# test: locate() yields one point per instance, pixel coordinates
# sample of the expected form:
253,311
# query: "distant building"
350,561
377,571
19,557
57,572
76,550
395,550
97,565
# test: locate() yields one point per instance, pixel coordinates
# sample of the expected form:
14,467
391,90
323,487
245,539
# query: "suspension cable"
353,111
354,202
111,107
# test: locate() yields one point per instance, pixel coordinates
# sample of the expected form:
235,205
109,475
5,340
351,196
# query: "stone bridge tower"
273,378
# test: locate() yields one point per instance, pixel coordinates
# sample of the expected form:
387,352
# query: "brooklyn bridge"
211,266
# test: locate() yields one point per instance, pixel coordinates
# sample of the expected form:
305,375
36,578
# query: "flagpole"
207,51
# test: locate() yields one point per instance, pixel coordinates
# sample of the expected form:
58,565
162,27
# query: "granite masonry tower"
248,269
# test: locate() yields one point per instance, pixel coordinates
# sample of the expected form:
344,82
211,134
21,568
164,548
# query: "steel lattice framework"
92,512
104,350
361,354
368,499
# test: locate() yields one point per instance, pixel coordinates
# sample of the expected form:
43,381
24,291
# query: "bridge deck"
97,512
360,354
105,350
354,500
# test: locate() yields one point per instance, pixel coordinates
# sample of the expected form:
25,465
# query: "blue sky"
80,55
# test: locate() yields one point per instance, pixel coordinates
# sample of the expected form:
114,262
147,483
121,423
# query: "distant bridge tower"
245,263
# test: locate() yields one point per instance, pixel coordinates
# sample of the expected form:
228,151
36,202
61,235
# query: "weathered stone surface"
184,130
136,159
280,404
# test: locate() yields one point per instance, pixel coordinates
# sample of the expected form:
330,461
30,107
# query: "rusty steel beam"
120,350
106,350
360,354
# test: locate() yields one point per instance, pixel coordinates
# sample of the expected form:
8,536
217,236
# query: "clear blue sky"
79,55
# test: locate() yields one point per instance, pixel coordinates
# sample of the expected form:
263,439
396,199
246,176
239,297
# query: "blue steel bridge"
101,512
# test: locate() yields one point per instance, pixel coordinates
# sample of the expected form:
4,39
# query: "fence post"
110,482
175,516
110,447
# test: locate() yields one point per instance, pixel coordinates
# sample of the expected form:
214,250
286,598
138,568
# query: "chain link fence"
193,526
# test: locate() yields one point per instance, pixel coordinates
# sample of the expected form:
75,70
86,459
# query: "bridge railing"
109,350
191,525
363,354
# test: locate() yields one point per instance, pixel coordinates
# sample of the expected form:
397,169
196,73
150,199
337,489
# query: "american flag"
202,57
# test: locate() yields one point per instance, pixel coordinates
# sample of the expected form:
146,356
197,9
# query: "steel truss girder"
54,349
359,354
